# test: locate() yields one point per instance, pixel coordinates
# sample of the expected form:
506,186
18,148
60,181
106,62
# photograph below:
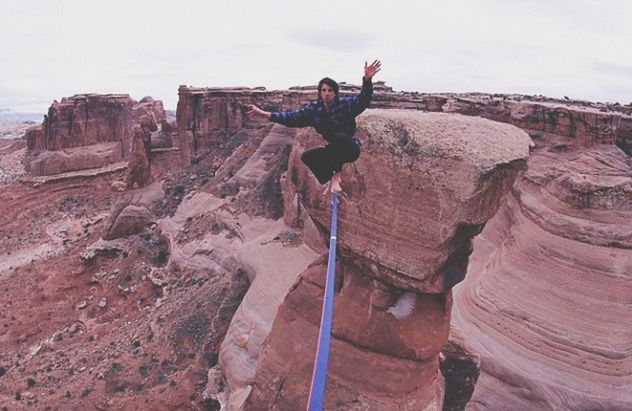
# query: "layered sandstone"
427,183
207,115
584,125
142,299
46,163
139,318
76,130
547,299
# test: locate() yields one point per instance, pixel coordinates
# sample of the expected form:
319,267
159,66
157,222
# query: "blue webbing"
319,376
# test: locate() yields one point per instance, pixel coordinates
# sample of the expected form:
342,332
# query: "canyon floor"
84,326
141,321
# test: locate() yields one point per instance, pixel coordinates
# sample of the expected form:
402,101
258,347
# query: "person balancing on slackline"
333,117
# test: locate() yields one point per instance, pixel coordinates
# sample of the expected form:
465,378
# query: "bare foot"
333,184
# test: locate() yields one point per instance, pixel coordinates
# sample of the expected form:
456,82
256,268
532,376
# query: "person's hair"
331,83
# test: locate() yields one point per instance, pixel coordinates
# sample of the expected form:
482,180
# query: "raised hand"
370,71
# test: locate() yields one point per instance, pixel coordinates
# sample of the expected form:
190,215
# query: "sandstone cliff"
87,131
426,184
547,298
560,126
153,317
207,114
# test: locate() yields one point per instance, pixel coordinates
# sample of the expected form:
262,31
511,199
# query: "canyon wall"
592,135
88,131
209,114
425,185
544,302
548,295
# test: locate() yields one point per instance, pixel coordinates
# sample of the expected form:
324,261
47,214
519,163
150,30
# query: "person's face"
327,94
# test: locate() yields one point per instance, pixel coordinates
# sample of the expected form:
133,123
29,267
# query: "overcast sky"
51,49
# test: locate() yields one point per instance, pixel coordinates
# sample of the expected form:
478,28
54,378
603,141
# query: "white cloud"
55,49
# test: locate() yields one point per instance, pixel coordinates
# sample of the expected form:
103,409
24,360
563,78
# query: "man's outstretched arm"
300,118
360,102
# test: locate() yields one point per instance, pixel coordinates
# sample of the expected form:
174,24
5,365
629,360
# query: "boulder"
424,186
131,219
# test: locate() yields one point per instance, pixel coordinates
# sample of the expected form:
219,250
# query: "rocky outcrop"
585,125
138,171
206,116
34,137
454,168
146,106
131,213
78,126
209,116
549,284
140,318
427,183
47,163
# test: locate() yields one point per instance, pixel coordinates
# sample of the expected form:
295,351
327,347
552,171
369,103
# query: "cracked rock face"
424,186
87,131
377,360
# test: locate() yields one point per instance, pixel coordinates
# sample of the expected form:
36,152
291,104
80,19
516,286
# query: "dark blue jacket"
339,119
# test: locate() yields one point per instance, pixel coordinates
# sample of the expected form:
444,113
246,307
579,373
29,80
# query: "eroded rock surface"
548,294
87,131
426,183
421,179
138,168
135,322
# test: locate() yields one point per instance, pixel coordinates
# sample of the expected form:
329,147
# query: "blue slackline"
319,376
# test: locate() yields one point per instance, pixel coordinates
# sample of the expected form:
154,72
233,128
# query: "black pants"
327,160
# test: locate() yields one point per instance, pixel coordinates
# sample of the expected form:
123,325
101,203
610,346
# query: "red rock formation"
426,183
545,308
46,163
82,122
138,169
148,105
585,125
94,324
127,218
35,138
376,360
210,114
549,286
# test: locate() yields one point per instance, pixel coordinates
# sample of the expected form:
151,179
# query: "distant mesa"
87,131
